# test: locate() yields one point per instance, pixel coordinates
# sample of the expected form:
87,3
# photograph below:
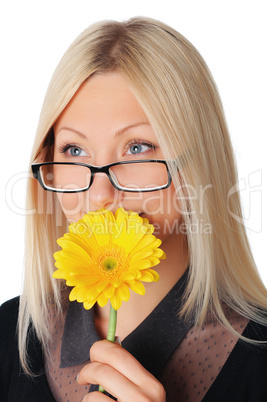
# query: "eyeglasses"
132,176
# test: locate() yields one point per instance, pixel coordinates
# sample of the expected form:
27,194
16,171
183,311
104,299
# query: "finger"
111,380
96,397
117,340
117,357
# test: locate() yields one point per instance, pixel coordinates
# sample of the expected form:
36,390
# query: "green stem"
112,324
111,331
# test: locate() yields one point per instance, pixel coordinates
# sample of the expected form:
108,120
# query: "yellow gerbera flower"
105,255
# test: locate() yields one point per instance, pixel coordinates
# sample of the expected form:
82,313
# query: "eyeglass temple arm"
41,155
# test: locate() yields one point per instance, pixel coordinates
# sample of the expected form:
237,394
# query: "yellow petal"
82,280
149,241
123,292
129,276
101,231
89,304
115,301
102,285
135,235
86,242
119,233
87,219
137,287
154,261
84,293
72,251
149,228
115,282
73,294
149,276
163,257
72,265
88,293
142,255
59,274
159,253
141,265
108,215
102,300
83,271
154,273
121,214
71,282
133,274
109,291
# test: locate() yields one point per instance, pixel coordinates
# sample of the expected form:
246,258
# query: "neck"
133,312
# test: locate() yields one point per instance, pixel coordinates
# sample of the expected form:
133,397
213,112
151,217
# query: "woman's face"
104,123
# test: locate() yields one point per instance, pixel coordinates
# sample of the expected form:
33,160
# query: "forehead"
104,99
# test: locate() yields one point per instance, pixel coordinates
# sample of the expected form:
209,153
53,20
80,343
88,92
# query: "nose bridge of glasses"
101,171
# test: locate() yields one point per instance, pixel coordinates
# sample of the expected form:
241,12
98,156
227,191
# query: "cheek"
162,202
72,205
163,211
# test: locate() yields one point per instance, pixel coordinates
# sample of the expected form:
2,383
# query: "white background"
231,36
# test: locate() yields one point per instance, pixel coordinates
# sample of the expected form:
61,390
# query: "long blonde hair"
177,92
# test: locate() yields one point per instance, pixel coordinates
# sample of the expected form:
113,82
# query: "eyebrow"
117,133
73,131
122,130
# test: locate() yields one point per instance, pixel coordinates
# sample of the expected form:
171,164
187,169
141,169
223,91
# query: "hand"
120,374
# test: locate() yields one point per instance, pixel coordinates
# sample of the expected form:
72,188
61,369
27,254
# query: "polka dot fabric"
187,376
198,360
62,381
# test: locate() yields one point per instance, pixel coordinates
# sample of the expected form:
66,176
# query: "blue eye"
72,150
138,148
75,151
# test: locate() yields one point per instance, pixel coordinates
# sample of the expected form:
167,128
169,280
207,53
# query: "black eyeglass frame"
98,169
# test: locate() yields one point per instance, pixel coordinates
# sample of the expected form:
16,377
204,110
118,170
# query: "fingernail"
117,340
77,377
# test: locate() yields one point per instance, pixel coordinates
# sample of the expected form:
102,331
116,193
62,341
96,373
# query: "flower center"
109,263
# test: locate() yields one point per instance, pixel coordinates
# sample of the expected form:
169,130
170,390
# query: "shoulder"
243,376
253,346
8,327
256,350
14,384
258,333
9,318
8,343
10,306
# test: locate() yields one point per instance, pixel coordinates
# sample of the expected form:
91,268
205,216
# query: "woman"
123,92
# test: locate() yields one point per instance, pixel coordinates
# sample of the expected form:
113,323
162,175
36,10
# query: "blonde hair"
177,92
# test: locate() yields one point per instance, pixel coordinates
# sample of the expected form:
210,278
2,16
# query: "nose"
102,194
